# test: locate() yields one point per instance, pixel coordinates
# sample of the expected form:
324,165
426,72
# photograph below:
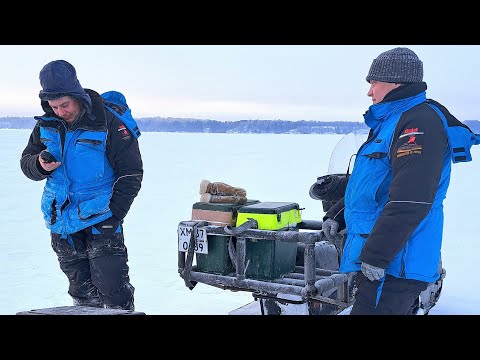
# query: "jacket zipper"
402,268
67,200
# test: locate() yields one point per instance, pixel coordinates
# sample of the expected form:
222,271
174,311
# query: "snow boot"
91,301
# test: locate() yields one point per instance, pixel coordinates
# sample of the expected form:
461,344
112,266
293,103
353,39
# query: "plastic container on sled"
218,260
268,260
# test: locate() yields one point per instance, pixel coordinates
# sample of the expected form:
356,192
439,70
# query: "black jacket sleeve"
416,154
123,153
336,212
29,160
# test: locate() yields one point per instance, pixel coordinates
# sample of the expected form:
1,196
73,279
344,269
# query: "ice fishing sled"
269,250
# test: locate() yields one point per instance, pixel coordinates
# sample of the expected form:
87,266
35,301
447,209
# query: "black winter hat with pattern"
399,65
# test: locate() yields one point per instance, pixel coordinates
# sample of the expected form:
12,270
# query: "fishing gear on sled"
220,192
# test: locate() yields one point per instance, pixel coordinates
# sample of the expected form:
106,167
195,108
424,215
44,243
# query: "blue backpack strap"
116,103
460,137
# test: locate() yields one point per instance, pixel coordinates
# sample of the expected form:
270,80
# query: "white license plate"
184,234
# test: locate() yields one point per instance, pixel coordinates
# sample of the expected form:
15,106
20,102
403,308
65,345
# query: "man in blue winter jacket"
392,209
93,171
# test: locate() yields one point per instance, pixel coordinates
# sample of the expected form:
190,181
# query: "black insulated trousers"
95,263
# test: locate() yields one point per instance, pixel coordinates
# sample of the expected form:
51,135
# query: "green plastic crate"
217,261
270,259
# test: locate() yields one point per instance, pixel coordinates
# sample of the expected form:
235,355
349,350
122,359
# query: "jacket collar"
398,101
93,120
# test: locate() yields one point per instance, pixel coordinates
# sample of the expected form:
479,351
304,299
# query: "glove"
225,199
221,189
330,228
372,272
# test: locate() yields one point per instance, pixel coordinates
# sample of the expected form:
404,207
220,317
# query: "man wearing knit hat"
392,209
93,171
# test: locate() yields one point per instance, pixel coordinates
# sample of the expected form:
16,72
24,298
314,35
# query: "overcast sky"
234,82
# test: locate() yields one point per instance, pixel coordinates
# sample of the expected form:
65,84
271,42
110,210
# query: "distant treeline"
159,124
247,126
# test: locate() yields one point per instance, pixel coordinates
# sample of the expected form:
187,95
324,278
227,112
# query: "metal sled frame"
308,281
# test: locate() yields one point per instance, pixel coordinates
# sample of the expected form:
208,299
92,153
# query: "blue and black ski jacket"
101,170
393,205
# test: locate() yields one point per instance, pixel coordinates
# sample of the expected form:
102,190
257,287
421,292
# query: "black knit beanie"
399,65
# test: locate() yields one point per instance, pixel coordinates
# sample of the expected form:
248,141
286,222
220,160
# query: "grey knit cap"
399,65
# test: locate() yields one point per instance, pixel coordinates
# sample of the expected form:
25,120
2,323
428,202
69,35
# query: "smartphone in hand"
47,156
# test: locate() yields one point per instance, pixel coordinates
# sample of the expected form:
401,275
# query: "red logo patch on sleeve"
410,145
123,130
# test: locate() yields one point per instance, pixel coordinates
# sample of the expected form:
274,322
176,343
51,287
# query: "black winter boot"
93,301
